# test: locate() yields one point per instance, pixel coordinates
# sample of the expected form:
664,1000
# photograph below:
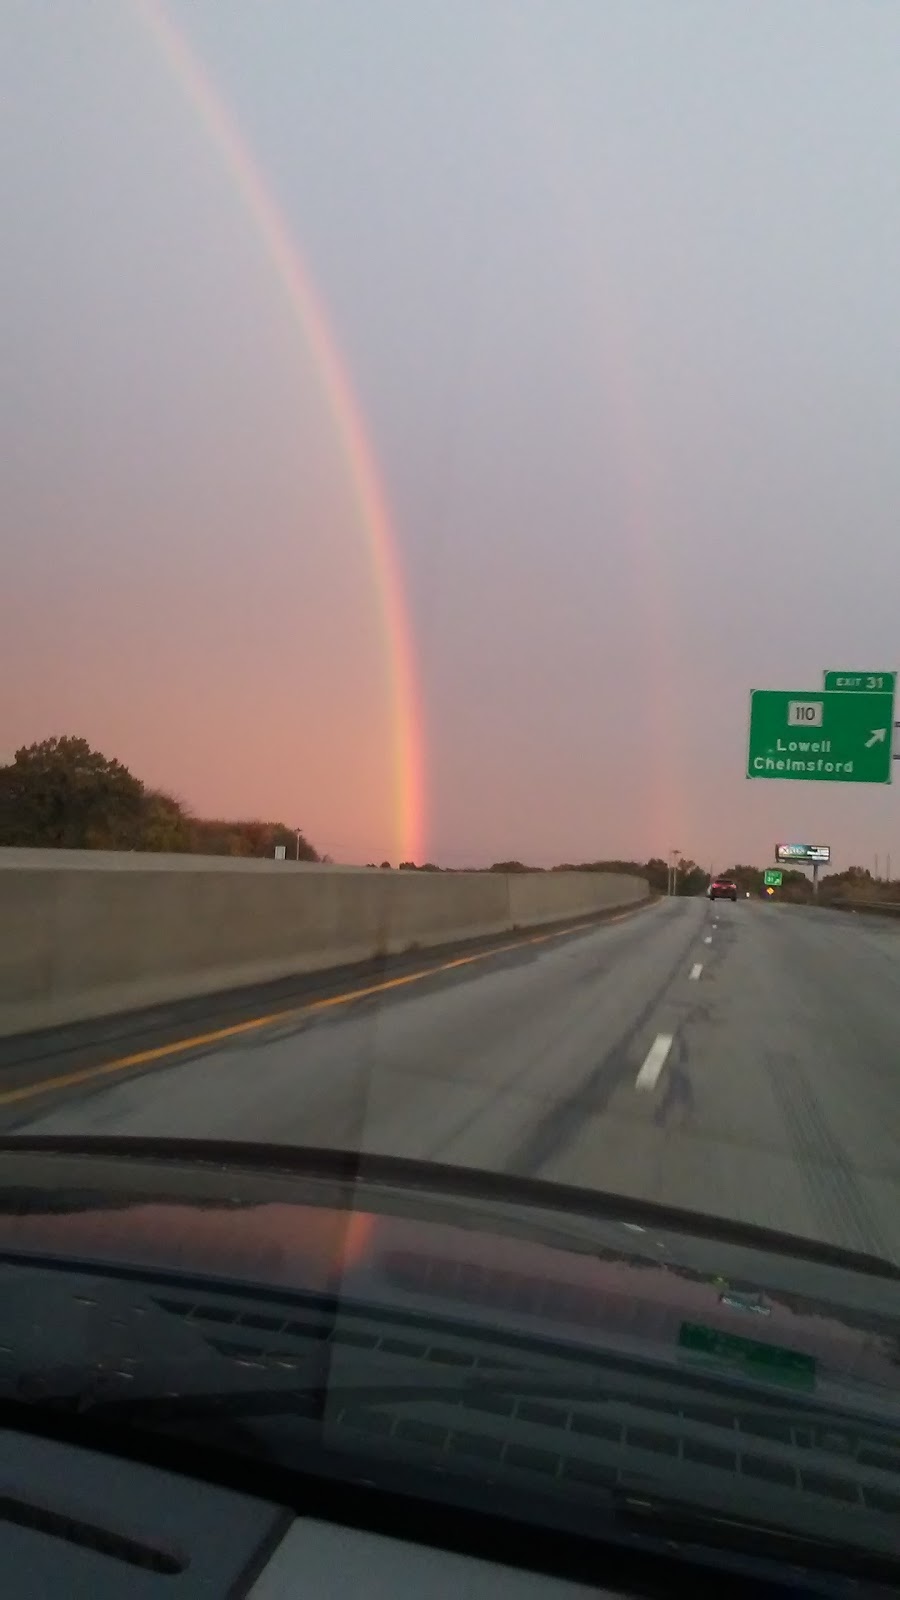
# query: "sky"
425,421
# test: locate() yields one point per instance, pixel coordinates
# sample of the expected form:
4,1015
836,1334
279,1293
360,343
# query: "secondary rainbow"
407,761
661,729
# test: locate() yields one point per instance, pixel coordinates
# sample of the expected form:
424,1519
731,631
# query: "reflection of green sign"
772,879
771,1363
860,682
821,735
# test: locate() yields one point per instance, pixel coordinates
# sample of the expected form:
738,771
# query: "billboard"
800,855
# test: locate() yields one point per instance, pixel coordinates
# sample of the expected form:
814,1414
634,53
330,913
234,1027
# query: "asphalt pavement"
741,1059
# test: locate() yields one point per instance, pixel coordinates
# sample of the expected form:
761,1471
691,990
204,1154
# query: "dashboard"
84,1525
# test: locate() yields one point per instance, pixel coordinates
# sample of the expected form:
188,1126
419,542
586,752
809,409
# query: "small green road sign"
860,682
821,735
772,879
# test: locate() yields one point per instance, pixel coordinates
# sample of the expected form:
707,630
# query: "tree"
214,837
164,826
657,874
856,883
61,794
795,886
690,879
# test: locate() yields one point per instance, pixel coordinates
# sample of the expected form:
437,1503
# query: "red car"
723,889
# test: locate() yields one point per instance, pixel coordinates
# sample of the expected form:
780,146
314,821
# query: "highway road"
737,1059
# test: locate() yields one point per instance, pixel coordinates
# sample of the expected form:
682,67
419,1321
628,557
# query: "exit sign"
860,682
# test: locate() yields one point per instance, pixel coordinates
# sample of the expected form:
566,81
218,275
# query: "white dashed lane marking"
654,1062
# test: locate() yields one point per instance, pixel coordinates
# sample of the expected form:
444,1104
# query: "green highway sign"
821,735
772,879
860,682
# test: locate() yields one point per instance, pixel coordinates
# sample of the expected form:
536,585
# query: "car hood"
487,1249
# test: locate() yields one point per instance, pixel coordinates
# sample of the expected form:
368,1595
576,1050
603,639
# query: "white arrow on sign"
878,737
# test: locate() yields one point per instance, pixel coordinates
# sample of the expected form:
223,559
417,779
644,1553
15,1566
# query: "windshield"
449,608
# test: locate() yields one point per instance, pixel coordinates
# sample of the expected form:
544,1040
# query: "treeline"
61,794
689,878
858,883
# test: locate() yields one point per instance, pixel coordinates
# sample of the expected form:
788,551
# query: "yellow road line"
143,1058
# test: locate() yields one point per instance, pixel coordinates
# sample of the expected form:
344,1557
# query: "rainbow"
407,752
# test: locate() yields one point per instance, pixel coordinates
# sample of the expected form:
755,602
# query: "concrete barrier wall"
86,933
536,897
